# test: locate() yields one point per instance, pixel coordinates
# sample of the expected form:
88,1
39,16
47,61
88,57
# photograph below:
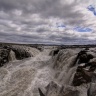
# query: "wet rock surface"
74,68
9,53
54,52
54,89
21,53
4,56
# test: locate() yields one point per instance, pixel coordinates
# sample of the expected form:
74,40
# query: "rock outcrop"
82,76
54,52
73,68
53,89
4,56
21,53
84,57
13,52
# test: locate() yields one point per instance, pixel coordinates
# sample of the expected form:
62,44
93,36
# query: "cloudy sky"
48,21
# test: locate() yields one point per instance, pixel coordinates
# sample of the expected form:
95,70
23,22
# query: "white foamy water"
65,72
12,56
22,78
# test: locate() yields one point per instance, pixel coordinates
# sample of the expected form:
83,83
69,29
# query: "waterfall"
53,75
24,77
12,56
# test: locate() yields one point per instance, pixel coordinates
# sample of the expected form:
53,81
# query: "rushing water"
24,77
12,56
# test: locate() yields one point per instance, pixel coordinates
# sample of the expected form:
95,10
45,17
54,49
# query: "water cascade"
52,75
12,56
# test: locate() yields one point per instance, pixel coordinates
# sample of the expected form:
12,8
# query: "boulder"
82,76
53,89
91,65
54,52
4,53
84,57
9,53
21,53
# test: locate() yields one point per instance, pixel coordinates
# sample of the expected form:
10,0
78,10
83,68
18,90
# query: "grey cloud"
45,9
6,5
32,23
20,38
41,30
36,39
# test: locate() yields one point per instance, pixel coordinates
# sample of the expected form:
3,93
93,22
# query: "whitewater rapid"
24,77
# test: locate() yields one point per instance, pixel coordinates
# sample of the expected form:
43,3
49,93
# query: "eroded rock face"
84,58
82,76
54,52
4,56
70,72
54,89
21,53
9,53
25,51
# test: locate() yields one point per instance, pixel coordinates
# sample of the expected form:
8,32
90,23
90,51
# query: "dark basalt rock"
82,76
40,92
85,58
82,57
91,65
4,56
54,52
19,52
